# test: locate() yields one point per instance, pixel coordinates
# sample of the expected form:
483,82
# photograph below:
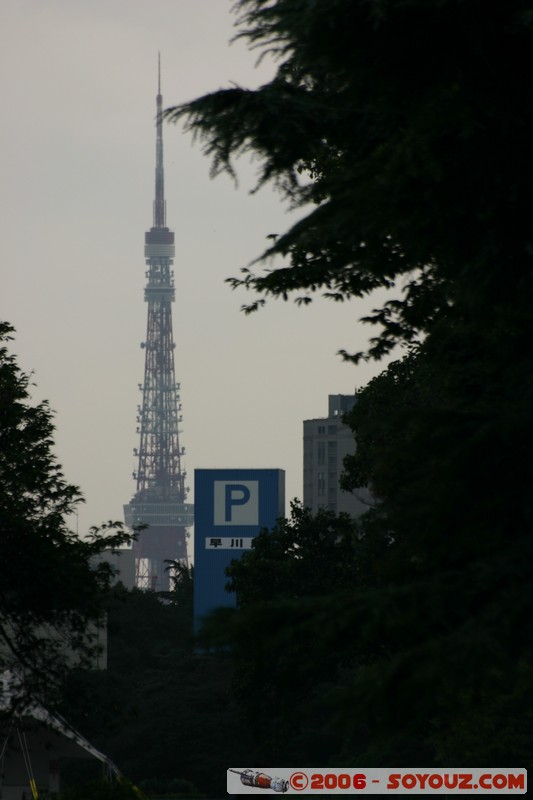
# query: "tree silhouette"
51,596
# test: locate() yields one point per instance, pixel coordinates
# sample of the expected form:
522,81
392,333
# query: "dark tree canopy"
162,711
442,439
285,668
50,594
403,129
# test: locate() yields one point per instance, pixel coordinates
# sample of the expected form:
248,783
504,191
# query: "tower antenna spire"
160,210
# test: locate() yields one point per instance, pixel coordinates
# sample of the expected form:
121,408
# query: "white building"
326,442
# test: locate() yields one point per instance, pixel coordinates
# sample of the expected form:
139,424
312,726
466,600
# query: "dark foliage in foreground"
161,711
407,127
52,595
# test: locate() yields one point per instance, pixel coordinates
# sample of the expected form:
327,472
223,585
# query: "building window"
321,452
321,484
321,428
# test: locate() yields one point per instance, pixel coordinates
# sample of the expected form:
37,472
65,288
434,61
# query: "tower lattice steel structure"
159,500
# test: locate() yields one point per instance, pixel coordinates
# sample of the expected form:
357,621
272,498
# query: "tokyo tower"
159,500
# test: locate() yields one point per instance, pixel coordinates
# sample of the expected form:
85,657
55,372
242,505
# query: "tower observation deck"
159,500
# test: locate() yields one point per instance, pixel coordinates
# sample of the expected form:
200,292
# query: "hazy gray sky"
77,147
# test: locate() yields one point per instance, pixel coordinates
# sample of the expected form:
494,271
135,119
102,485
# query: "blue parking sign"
231,506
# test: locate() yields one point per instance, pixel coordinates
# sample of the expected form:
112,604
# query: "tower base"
154,548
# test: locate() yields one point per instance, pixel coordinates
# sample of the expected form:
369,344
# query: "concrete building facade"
327,440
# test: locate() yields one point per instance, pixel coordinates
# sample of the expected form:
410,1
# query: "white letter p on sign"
236,503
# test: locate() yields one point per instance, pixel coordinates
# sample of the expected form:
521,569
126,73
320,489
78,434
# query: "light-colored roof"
51,720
